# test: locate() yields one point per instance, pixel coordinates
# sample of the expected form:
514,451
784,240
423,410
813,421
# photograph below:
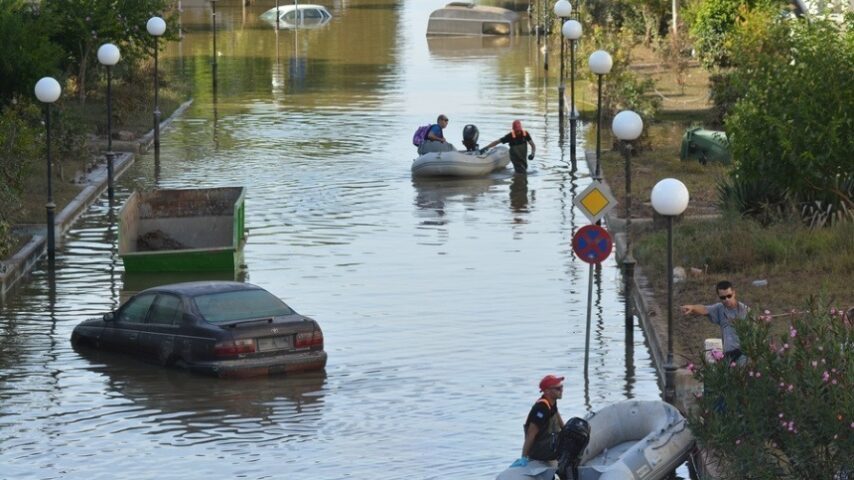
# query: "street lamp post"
600,63
213,25
108,55
562,9
571,30
156,27
48,91
627,126
669,198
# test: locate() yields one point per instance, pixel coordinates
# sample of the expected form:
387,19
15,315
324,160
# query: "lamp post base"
157,131
110,190
629,276
670,380
51,232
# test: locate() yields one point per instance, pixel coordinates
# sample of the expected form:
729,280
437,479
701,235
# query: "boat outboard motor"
470,136
572,441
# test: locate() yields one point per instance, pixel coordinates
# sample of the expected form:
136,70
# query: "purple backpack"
420,135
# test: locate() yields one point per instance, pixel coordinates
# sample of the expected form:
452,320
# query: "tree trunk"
81,73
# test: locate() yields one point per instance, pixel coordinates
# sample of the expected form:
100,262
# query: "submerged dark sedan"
219,328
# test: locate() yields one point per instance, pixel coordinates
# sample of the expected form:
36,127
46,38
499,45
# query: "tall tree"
81,26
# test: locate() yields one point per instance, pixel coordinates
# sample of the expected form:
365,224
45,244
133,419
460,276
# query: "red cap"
550,381
517,125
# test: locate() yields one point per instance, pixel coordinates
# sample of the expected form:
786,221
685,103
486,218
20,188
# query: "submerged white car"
298,16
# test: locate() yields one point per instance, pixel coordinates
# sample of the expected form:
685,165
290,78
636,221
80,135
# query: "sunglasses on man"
725,297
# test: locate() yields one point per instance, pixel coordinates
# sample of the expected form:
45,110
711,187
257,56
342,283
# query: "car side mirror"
109,317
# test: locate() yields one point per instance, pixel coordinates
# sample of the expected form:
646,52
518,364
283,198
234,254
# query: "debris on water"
157,240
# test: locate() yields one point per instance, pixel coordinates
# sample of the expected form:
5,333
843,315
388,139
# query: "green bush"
19,131
792,132
788,413
27,54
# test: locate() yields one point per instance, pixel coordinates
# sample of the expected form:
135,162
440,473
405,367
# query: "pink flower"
738,442
785,346
717,355
814,363
780,414
825,376
750,373
791,387
732,365
832,309
758,374
691,368
767,312
793,333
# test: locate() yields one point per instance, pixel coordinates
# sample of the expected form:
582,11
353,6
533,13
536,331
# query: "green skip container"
705,146
192,230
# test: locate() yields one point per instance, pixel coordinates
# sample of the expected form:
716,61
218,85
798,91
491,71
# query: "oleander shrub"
788,411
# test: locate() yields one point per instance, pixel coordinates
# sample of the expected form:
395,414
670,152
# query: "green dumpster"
705,146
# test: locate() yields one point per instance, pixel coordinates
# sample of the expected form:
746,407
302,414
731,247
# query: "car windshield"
225,307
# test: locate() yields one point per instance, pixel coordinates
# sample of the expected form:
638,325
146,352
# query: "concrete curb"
21,263
14,269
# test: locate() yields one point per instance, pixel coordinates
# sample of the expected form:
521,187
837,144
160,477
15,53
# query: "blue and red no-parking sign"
592,243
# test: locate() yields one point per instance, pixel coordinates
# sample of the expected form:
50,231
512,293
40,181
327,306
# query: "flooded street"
442,302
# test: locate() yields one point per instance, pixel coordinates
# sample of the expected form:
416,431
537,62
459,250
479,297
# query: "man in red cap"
544,423
519,140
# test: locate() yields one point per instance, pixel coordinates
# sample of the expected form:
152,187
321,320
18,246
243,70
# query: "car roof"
192,289
301,6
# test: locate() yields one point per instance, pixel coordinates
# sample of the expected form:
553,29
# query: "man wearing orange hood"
519,140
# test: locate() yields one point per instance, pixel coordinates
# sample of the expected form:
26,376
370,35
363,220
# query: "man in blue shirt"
435,140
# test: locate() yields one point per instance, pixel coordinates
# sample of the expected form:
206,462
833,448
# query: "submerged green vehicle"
192,230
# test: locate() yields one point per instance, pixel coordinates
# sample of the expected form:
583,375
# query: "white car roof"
301,6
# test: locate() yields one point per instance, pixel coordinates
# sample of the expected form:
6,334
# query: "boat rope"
672,433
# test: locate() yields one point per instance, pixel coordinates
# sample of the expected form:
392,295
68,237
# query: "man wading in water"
519,140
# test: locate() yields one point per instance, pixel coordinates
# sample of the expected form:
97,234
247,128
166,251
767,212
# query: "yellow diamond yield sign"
595,201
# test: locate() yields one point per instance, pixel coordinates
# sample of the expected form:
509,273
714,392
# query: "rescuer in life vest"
519,140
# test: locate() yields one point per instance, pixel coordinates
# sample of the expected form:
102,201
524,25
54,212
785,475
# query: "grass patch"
797,263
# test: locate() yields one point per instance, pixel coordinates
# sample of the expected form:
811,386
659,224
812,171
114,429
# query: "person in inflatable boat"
543,424
519,140
435,139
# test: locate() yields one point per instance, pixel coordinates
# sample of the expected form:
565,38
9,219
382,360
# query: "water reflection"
519,193
133,283
468,48
197,406
434,194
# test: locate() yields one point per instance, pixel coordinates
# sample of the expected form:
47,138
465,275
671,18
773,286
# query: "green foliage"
792,132
713,22
27,55
621,88
644,18
19,131
788,413
82,26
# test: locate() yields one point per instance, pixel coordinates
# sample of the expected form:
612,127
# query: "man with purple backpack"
434,138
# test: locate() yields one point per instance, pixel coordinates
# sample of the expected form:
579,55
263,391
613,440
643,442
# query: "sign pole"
589,308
